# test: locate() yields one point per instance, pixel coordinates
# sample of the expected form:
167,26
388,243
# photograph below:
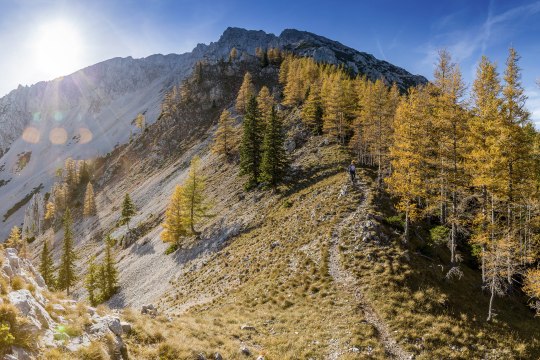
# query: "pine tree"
111,273
15,239
194,198
66,272
89,201
274,158
312,112
46,267
223,142
247,90
174,227
91,282
128,210
250,149
102,282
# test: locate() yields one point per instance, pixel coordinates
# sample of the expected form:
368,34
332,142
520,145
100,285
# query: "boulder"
245,350
126,327
217,356
260,357
114,325
290,145
149,310
29,307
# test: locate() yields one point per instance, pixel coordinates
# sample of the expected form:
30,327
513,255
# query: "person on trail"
352,171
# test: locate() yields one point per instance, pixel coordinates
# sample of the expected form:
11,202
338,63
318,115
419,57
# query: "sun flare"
58,47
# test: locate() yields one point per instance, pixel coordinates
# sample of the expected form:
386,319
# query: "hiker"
352,171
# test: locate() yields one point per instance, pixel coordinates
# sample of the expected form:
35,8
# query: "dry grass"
274,276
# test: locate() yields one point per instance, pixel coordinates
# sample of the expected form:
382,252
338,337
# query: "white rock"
29,307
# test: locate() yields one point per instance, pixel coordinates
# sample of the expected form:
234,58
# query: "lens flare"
31,135
58,136
86,135
58,116
36,116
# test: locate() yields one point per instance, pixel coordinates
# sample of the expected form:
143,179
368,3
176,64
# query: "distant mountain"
89,112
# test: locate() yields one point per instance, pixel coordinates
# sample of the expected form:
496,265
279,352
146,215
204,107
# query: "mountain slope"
313,270
90,112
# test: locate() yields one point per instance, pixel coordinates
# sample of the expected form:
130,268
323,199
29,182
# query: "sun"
57,48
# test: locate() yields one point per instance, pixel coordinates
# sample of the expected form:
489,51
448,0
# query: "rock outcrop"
46,320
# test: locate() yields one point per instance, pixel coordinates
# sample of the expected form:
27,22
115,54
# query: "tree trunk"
406,232
490,310
483,263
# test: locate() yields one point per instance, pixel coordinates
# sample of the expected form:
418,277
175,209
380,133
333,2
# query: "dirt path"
348,283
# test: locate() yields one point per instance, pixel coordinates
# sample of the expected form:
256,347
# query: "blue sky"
406,33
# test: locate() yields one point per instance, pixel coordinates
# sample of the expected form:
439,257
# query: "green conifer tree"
274,158
91,282
111,272
128,210
46,267
250,148
67,272
102,282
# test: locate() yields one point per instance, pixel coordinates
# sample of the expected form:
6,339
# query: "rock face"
33,216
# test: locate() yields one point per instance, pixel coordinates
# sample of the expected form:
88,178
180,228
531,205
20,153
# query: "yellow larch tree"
247,90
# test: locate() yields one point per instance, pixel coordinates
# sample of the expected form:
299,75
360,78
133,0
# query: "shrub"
287,204
3,286
6,338
167,351
172,248
439,235
93,352
17,283
11,329
395,222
